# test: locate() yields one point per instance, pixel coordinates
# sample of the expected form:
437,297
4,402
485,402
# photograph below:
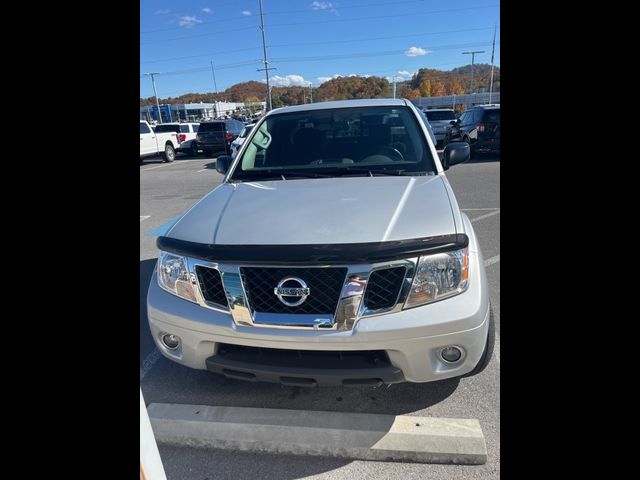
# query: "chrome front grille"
247,292
324,284
211,285
383,287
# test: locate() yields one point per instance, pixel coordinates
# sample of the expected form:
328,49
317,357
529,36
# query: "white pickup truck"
157,144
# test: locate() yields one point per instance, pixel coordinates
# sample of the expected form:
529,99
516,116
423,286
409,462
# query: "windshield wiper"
373,171
279,174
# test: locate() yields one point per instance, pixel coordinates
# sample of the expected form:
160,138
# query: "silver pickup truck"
152,144
333,253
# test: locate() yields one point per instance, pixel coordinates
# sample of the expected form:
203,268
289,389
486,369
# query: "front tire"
169,153
194,149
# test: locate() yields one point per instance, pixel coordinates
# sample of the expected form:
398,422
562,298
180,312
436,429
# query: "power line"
336,20
322,58
372,54
281,12
202,55
196,36
302,44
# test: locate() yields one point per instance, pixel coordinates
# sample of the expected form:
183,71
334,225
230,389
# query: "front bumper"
411,338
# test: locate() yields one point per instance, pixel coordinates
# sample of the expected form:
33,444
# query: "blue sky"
308,41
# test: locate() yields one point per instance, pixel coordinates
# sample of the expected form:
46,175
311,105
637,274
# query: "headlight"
439,276
173,276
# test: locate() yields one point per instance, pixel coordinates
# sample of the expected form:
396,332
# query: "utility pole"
493,51
153,81
310,93
265,61
454,102
394,86
214,78
473,57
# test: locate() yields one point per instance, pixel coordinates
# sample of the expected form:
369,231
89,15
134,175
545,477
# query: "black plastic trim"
304,377
326,254
304,368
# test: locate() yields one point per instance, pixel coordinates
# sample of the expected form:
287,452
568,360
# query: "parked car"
237,143
153,144
332,253
440,120
186,134
217,135
480,128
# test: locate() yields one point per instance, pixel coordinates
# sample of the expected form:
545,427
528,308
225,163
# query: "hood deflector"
329,254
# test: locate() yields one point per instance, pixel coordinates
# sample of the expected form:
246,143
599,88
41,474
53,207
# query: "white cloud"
288,81
246,13
401,76
207,10
416,52
323,6
164,11
321,80
189,21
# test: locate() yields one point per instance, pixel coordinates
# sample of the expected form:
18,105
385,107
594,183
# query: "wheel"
169,153
488,347
194,149
472,152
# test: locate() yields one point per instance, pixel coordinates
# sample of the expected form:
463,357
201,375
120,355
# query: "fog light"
171,341
451,354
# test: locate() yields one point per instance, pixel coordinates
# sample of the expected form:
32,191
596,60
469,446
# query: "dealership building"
196,111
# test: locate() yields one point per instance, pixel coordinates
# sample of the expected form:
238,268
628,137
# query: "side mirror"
454,122
223,162
454,153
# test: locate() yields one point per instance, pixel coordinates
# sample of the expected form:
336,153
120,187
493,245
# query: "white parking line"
144,217
170,163
490,261
203,170
474,209
148,362
486,215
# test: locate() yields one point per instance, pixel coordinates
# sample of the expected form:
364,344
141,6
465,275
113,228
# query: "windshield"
211,127
167,128
360,141
245,131
447,115
492,116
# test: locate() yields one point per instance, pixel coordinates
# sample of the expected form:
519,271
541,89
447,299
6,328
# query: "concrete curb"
361,436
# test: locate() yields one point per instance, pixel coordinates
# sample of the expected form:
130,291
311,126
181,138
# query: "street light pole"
473,57
155,93
265,61
215,85
493,51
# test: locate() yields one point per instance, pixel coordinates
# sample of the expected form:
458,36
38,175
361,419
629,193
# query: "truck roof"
369,102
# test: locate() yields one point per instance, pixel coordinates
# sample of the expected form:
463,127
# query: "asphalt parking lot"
168,190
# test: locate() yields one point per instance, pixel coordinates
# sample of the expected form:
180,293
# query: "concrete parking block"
360,436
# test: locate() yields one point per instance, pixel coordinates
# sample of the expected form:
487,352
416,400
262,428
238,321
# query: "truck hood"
319,211
440,124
